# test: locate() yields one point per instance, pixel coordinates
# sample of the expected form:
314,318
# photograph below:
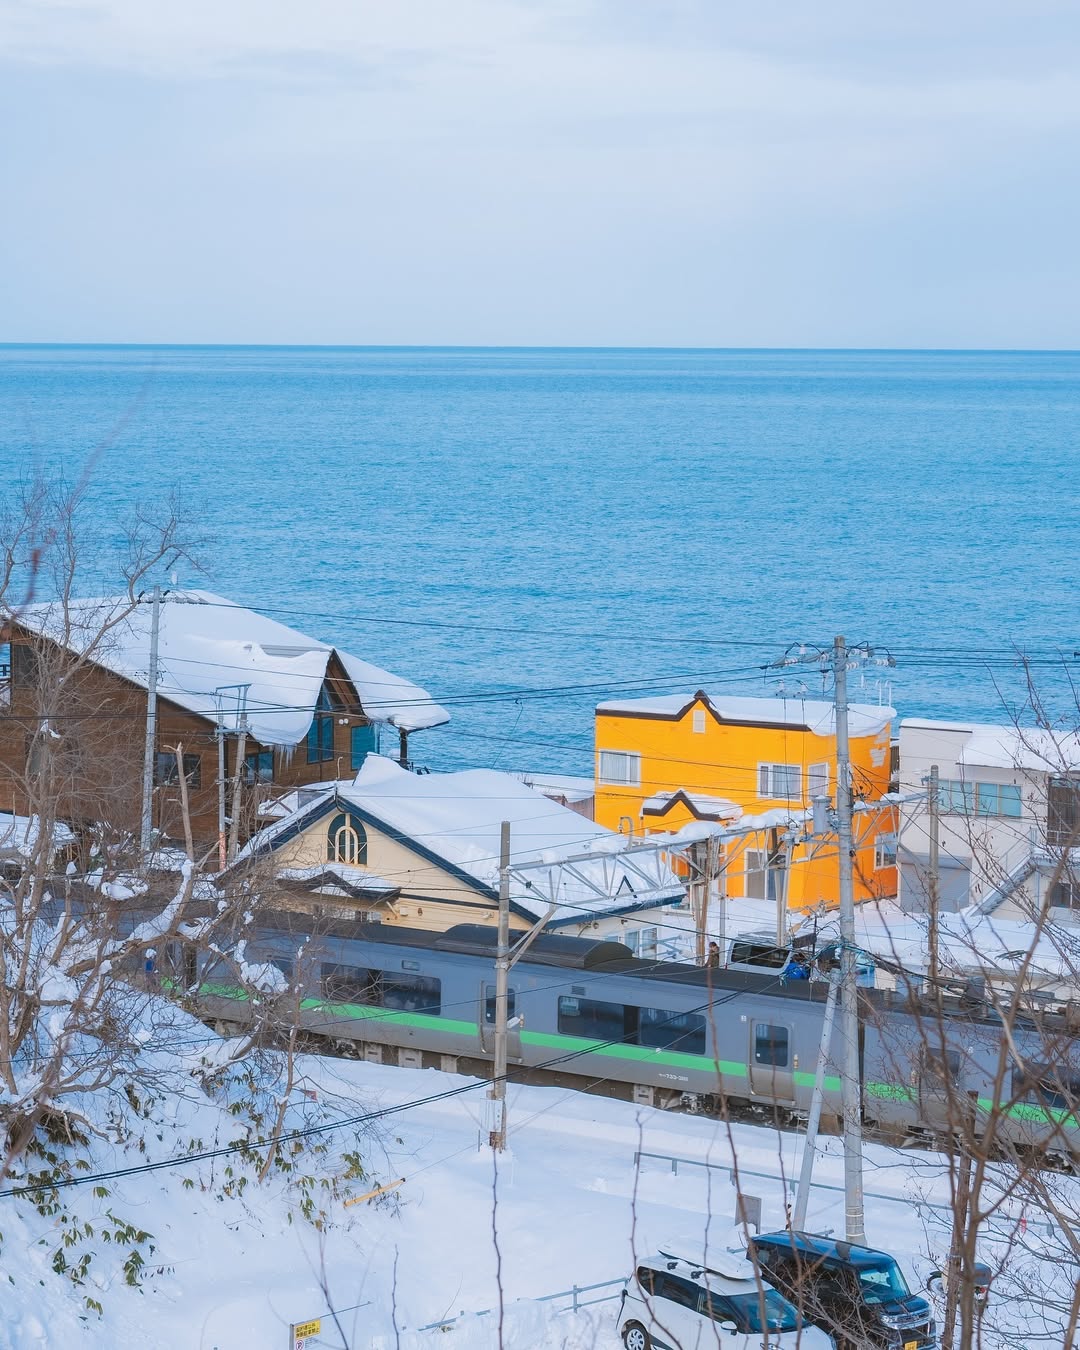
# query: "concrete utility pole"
502,976
854,1221
806,1169
933,871
150,749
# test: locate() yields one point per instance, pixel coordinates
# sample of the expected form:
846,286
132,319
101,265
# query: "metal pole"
502,972
806,1170
221,792
782,892
849,1020
721,900
933,872
150,749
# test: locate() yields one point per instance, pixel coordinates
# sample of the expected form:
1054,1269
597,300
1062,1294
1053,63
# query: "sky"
541,172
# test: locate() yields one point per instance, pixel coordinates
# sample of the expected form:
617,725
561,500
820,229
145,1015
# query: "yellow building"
663,762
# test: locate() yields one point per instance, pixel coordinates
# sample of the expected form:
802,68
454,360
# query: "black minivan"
858,1295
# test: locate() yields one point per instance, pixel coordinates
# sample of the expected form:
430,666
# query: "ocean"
524,531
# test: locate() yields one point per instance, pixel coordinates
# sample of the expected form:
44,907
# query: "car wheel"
635,1337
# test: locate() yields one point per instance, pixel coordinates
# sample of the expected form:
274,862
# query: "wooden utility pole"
220,733
933,872
854,1219
150,749
502,974
234,822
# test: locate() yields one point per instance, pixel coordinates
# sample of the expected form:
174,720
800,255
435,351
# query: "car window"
684,1292
647,1278
767,1311
883,1283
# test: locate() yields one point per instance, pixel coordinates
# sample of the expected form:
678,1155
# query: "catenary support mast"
502,979
854,1222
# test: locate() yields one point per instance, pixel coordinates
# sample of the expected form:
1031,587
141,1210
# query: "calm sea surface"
494,520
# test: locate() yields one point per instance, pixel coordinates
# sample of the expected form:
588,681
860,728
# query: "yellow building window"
698,721
620,768
780,782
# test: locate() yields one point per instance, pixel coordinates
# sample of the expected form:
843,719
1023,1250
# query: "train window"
590,1018
411,993
489,1004
285,964
1045,1085
940,1068
671,1031
350,984
770,1045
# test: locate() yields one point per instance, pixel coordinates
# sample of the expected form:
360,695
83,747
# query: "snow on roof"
354,878
703,804
207,642
457,817
19,835
570,788
1021,748
816,715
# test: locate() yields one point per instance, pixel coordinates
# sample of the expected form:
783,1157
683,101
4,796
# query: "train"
588,1013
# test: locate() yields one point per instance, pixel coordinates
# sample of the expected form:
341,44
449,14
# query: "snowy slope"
571,1207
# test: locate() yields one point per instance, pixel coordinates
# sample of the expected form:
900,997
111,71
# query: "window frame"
884,851
344,823
697,722
822,772
970,799
632,759
320,737
166,777
767,781
772,1041
258,767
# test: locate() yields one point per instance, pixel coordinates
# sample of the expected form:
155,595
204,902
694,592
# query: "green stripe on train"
643,1054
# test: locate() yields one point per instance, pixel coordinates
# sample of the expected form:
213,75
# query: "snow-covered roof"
816,715
352,879
566,786
456,817
207,642
1011,748
19,835
702,804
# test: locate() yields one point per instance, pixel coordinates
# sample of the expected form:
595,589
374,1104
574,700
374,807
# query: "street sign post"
300,1331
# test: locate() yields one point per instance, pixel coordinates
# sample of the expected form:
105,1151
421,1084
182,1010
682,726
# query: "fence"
574,1294
791,1184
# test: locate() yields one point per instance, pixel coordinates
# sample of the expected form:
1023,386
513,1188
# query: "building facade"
663,762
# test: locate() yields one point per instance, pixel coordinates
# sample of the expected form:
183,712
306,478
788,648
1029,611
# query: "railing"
574,1294
791,1184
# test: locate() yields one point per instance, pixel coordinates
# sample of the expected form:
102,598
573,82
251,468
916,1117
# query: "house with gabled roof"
423,850
236,690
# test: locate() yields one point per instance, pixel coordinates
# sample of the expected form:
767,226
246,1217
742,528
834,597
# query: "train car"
577,1008
939,1069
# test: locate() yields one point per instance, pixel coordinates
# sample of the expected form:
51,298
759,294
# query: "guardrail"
574,1293
791,1184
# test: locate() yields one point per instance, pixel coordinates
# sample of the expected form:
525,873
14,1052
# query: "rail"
574,1293
791,1183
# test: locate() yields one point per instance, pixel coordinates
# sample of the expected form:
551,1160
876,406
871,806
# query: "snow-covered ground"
237,1271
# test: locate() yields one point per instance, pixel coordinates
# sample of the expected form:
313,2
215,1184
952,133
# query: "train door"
771,1070
939,1079
487,1022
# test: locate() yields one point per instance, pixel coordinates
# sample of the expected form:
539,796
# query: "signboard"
304,1329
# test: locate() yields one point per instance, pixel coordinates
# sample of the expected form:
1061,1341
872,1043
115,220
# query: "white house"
423,850
1009,818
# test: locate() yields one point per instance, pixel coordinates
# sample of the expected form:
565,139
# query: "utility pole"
806,1169
220,733
502,974
150,749
784,886
933,871
854,1221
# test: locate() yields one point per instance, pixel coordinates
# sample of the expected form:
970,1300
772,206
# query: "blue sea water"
587,522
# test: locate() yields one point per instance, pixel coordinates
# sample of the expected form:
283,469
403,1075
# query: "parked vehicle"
671,1304
857,1294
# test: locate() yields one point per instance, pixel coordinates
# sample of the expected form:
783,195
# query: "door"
771,1073
939,1083
487,1023
676,1320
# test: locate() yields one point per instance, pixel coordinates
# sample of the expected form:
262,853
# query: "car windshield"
882,1283
746,1311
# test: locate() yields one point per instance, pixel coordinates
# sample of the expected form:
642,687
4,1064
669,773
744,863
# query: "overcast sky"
625,172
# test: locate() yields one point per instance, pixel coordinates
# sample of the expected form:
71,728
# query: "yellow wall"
722,760
396,863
